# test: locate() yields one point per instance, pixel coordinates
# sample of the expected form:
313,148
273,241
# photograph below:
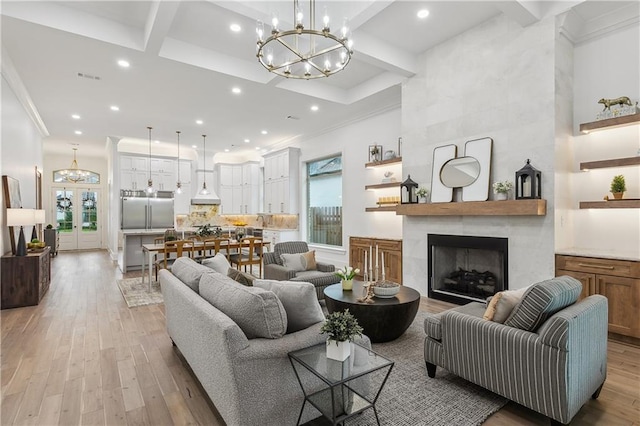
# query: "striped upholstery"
554,371
543,300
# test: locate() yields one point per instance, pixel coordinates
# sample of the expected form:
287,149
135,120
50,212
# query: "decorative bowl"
385,289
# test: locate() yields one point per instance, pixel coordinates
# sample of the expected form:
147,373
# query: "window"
324,192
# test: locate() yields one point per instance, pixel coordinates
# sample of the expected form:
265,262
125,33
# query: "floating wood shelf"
616,162
384,185
384,162
625,120
619,204
381,209
476,208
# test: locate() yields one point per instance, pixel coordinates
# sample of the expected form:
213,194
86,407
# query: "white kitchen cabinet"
133,163
281,184
185,172
238,188
133,180
134,173
163,181
275,236
162,165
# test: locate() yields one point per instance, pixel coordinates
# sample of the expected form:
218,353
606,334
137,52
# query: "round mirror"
459,172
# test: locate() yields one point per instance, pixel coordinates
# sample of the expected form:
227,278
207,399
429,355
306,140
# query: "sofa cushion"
257,312
309,260
293,261
189,272
542,300
433,322
241,277
299,301
218,263
502,303
317,277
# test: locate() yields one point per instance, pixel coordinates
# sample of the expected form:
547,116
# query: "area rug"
411,398
137,294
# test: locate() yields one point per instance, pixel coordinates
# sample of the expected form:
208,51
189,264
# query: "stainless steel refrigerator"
142,211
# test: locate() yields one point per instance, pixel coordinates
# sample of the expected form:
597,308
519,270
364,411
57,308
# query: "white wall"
353,142
605,67
20,154
496,80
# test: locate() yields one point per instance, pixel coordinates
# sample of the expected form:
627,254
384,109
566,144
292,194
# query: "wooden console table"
392,250
25,279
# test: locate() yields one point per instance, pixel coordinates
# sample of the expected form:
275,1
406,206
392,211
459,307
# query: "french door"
78,218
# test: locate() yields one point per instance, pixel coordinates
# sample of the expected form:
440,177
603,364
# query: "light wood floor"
83,357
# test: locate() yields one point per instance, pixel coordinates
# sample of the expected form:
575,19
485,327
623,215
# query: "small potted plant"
502,189
618,187
341,327
422,194
347,274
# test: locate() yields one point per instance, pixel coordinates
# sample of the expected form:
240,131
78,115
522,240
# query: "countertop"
597,253
143,231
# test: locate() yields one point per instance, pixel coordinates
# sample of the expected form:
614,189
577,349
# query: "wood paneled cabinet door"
588,281
390,249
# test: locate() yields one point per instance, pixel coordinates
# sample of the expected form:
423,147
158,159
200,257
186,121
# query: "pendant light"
178,183
150,189
204,190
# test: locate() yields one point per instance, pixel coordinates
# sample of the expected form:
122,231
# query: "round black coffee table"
383,320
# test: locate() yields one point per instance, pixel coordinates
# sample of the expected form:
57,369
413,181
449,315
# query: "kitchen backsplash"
202,215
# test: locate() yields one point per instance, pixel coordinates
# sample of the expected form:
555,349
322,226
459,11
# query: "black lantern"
528,182
408,191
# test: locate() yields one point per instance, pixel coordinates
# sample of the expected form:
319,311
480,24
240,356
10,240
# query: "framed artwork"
480,149
441,155
375,153
12,200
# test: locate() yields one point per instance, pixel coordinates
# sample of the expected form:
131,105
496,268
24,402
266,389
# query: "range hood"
207,200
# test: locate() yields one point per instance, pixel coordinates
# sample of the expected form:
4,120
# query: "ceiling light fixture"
78,132
115,108
314,107
73,173
422,13
194,146
264,132
204,190
75,116
198,122
304,53
178,183
150,189
235,28
226,150
247,140
236,90
123,63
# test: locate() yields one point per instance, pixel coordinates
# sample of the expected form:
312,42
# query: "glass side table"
340,389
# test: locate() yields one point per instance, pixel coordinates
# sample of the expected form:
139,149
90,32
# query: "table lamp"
21,218
39,220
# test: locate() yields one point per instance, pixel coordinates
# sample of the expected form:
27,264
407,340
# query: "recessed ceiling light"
264,132
226,150
423,13
236,90
78,132
157,141
235,28
247,140
314,107
75,117
194,146
115,108
198,121
123,63
257,147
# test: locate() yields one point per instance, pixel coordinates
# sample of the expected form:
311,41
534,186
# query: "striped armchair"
322,277
550,355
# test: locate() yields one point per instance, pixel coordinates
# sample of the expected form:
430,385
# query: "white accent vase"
501,196
338,350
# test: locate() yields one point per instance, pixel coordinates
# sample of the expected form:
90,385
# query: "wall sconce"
528,182
21,218
408,191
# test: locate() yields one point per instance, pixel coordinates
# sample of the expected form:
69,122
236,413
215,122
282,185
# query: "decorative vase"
422,200
501,196
338,350
618,195
347,285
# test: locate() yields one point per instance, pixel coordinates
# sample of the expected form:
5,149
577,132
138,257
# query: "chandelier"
73,173
304,52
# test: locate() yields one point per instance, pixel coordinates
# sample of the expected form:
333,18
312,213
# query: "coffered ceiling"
185,60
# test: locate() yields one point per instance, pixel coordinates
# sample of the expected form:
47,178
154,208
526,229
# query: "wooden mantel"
476,208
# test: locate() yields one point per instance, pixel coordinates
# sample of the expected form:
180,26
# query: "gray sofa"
550,354
274,269
249,380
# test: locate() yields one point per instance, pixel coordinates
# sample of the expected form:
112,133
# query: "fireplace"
463,269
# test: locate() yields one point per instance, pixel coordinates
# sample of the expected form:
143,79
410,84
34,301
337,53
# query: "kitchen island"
132,242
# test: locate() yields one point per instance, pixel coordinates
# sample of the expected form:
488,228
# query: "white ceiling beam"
372,10
374,85
523,12
375,51
317,90
158,24
76,22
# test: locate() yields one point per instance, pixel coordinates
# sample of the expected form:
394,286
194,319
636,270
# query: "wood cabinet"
390,249
281,181
617,280
25,279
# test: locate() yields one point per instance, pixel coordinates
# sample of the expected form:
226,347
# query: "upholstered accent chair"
274,269
550,355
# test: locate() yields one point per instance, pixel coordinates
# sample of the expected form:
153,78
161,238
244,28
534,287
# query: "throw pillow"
309,260
293,261
299,300
542,300
257,312
502,303
241,277
189,272
218,263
